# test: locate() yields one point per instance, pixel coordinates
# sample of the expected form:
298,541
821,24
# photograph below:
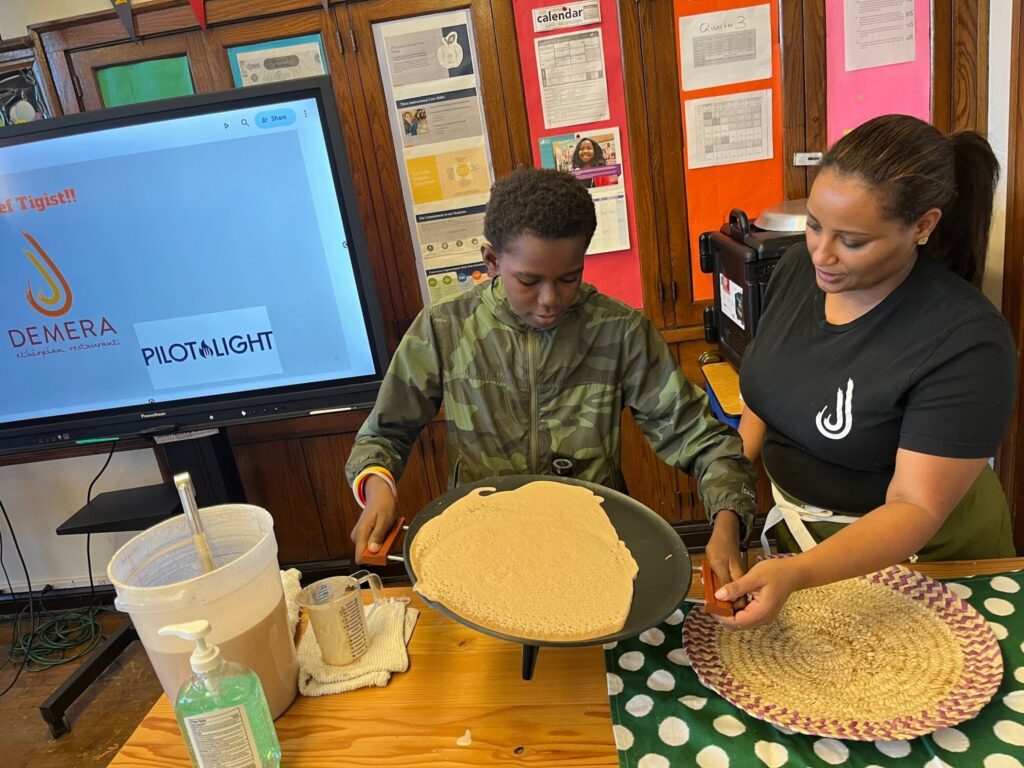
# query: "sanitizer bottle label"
223,739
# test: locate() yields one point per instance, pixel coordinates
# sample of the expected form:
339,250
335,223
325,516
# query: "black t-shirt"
930,369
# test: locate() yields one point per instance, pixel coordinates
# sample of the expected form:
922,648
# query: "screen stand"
211,464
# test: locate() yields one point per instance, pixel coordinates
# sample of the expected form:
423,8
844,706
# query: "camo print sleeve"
409,397
677,420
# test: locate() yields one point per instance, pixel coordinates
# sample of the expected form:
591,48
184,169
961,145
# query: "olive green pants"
978,528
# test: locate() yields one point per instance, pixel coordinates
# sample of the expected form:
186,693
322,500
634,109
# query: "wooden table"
458,680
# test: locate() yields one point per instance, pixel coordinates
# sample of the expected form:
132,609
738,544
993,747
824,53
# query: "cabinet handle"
337,37
675,294
352,37
661,292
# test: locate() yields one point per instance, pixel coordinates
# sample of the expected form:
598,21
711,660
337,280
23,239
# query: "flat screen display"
170,264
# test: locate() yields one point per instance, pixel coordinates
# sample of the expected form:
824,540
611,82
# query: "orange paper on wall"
751,185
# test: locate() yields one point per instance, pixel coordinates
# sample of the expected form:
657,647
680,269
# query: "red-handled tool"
380,557
711,603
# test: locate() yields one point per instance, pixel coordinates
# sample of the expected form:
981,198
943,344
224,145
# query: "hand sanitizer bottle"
221,708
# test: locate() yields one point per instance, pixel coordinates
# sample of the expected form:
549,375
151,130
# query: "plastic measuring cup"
337,616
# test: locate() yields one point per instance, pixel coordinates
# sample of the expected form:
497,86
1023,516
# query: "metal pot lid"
789,216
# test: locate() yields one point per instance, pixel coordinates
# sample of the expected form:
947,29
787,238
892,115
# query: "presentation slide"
184,258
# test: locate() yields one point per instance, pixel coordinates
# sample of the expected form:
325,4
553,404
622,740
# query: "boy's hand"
723,551
377,518
769,584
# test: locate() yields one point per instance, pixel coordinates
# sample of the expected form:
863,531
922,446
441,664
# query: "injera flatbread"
541,562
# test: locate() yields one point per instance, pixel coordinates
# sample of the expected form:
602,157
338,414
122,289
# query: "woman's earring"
923,240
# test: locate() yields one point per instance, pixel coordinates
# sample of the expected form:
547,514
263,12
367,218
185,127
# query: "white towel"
389,630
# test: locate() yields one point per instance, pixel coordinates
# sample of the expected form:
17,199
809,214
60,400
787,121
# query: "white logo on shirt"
838,426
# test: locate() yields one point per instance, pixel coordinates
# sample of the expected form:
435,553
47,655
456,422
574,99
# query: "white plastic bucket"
159,581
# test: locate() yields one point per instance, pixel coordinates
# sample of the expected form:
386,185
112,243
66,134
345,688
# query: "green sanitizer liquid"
222,710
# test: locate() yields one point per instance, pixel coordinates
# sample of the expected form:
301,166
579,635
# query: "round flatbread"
542,562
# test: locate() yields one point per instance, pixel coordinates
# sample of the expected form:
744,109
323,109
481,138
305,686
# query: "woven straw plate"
890,655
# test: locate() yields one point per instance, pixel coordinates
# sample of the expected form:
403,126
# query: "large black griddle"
664,564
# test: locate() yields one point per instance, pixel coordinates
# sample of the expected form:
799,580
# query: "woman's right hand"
377,519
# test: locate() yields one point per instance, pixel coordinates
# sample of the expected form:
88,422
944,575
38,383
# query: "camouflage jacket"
516,398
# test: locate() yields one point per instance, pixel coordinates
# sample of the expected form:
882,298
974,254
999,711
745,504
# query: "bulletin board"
723,103
588,90
858,89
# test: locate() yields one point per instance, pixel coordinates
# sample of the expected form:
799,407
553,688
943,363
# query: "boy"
536,365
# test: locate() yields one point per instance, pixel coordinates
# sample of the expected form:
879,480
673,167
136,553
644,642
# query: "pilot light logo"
54,299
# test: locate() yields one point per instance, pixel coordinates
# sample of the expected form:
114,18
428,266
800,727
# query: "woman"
587,155
881,380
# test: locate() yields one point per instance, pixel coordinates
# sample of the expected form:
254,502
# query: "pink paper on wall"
855,97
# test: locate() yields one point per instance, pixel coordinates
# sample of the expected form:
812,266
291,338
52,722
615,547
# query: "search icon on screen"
245,122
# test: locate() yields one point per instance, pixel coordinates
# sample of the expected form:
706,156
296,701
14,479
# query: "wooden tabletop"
459,680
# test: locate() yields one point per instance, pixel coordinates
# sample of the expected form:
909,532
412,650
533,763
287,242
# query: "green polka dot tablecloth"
662,716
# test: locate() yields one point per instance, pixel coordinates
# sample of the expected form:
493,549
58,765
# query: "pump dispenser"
221,708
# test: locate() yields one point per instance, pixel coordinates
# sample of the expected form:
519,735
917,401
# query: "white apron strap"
795,515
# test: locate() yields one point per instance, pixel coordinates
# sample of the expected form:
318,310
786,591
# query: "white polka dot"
771,754
675,618
712,757
652,636
694,702
832,751
727,725
998,606
959,590
1010,732
999,760
1003,584
937,762
678,656
1022,647
661,680
1014,700
653,761
623,737
899,748
609,646
614,684
673,731
783,729
639,705
999,631
632,660
1018,674
952,740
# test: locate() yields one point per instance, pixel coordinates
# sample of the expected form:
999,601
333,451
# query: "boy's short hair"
548,204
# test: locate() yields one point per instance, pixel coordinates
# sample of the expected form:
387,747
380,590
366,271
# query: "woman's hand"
767,585
377,519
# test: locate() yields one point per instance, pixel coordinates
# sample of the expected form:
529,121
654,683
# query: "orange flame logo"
57,301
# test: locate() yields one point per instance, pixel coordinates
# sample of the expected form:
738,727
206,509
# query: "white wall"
40,496
1000,21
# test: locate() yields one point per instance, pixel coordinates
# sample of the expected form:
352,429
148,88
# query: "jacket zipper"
534,427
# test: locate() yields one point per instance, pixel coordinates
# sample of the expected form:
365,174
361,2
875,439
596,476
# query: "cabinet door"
88,66
649,480
338,511
358,21
275,477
